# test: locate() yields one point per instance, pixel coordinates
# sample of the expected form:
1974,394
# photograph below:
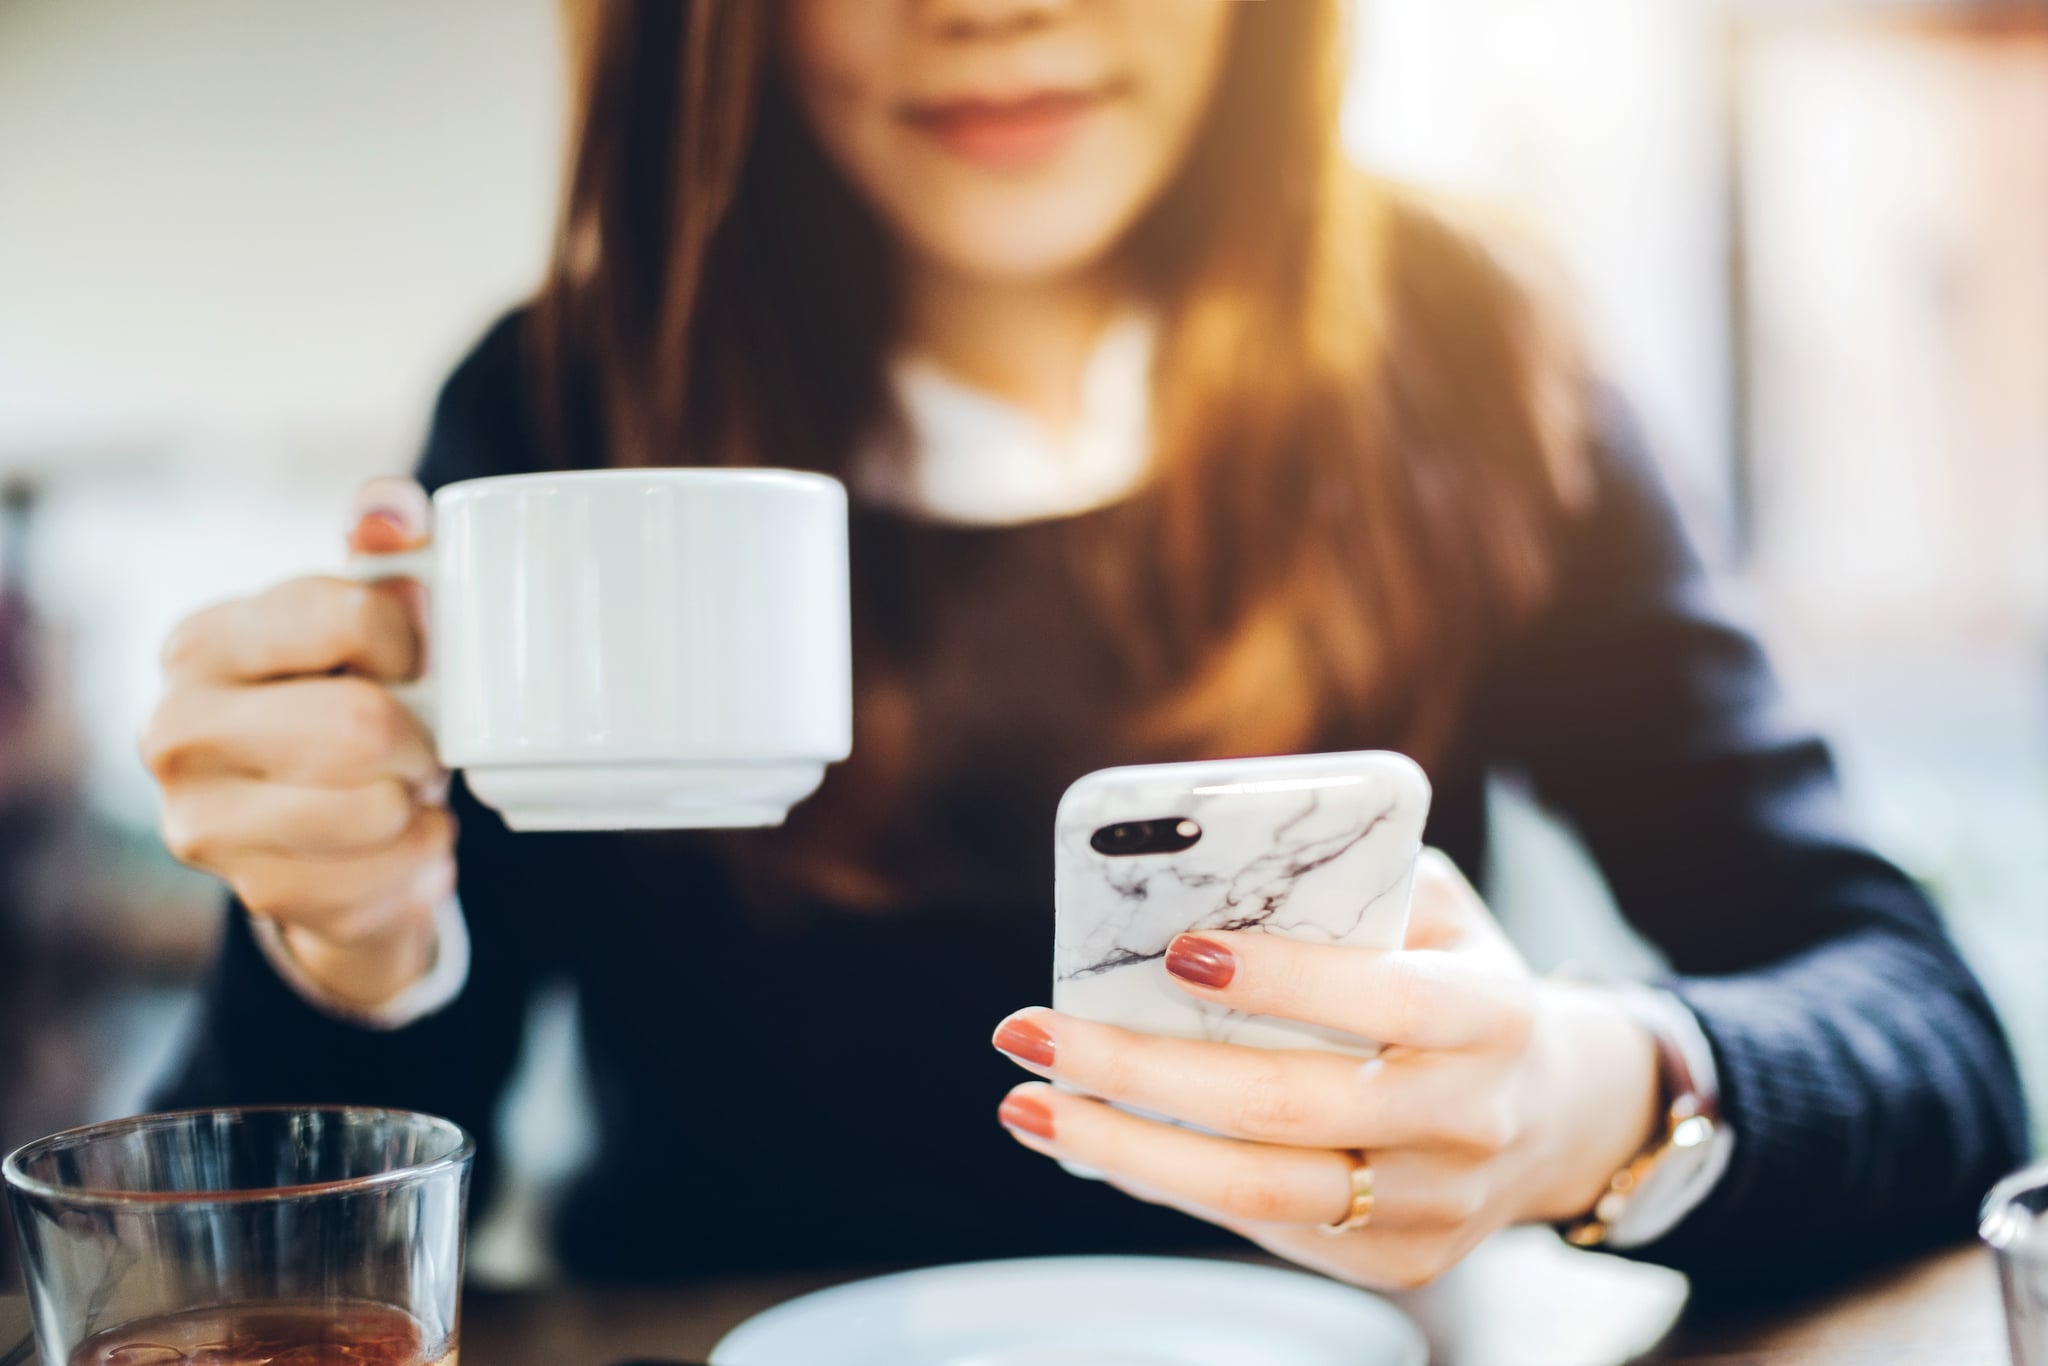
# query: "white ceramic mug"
635,649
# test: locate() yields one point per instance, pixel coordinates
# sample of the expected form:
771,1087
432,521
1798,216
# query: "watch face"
1669,1179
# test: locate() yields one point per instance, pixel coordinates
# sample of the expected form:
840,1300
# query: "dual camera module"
1130,839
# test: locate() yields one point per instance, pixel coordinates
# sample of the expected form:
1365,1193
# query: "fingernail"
394,513
380,531
1201,961
401,499
434,791
1025,1042
1027,1113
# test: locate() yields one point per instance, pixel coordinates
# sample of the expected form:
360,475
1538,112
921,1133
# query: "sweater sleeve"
258,1042
1867,1079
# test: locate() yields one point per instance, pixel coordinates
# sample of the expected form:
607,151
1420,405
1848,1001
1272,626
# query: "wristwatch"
1671,1176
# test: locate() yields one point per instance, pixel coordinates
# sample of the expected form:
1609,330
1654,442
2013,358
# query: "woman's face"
1007,139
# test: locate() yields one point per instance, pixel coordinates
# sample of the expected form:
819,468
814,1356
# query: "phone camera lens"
1128,839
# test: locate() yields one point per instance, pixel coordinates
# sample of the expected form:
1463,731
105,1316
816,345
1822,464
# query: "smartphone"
1316,847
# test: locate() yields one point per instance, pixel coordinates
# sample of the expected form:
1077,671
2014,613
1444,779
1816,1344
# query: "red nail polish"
1027,1113
1025,1042
1201,961
379,531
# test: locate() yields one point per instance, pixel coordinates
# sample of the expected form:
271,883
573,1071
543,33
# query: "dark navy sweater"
815,1085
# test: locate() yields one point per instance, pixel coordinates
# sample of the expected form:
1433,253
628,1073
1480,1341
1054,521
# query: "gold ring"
1360,1213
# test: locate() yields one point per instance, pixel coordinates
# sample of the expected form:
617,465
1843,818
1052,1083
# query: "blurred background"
241,243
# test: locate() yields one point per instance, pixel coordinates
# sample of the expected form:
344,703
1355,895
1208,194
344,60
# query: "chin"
1012,245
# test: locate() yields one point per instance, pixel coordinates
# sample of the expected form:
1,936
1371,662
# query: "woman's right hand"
290,771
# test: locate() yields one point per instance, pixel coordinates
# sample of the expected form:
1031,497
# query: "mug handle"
417,696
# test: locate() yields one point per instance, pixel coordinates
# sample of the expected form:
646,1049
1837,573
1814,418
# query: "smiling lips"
1007,134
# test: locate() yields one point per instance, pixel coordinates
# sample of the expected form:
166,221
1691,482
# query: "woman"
1170,436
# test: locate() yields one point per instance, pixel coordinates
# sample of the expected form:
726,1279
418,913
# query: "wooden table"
1523,1300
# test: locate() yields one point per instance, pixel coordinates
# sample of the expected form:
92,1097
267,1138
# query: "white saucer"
1081,1311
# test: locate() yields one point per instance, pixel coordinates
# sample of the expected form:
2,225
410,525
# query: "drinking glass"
216,1237
2015,1223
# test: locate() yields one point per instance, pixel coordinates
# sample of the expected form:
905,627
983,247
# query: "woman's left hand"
1498,1098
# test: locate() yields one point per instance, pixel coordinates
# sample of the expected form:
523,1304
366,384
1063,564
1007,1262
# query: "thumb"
1444,908
391,515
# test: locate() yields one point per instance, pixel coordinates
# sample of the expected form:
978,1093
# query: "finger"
315,732
223,818
1231,1182
1423,999
1304,1099
390,515
1380,1256
1374,1257
307,626
350,898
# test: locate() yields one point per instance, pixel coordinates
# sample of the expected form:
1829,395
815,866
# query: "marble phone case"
1318,847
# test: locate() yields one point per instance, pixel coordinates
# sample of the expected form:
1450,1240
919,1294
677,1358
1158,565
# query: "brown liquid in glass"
347,1333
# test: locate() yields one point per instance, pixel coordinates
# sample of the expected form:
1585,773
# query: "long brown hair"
1367,428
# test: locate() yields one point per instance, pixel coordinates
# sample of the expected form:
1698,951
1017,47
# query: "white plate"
1081,1311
